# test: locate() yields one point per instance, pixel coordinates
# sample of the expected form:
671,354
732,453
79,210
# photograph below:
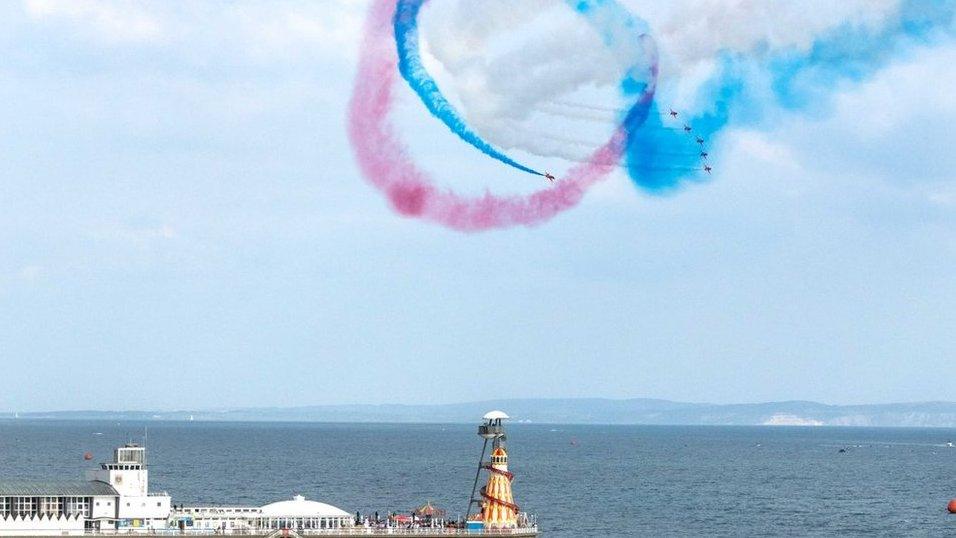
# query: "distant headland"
561,411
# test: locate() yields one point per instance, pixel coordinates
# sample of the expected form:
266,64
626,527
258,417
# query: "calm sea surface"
580,480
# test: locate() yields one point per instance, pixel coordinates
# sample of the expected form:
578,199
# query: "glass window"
24,505
50,505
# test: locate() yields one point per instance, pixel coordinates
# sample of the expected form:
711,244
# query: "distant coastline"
559,411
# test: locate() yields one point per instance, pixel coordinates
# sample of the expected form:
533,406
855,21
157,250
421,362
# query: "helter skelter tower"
498,509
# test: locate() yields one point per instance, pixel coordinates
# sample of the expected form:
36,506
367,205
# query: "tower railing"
491,430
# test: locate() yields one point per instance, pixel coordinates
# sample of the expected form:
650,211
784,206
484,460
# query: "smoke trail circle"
385,162
413,71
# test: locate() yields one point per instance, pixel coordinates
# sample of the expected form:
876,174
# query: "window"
5,506
24,506
159,504
49,505
130,455
71,505
78,505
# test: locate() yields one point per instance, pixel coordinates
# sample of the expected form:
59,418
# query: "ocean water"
579,480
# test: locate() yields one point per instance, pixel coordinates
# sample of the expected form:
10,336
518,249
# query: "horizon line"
227,409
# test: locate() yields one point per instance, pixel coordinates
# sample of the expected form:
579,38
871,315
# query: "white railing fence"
348,531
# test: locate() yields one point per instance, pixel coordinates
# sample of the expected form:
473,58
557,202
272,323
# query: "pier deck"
331,533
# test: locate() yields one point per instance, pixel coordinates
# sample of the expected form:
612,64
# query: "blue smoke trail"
801,79
655,158
661,160
621,30
796,80
414,72
615,24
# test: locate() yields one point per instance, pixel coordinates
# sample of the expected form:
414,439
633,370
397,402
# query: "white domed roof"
494,415
299,507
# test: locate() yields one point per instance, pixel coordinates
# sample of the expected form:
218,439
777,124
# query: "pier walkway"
326,533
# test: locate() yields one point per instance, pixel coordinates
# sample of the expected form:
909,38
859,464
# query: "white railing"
346,531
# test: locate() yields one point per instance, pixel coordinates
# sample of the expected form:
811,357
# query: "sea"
578,480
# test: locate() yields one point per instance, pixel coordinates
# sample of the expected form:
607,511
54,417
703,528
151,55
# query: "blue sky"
183,225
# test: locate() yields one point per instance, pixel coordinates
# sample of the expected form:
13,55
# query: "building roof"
75,488
300,507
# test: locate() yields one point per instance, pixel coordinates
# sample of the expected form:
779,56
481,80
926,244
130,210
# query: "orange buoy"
88,456
952,506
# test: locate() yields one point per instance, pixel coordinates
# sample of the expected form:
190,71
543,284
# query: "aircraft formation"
701,153
700,142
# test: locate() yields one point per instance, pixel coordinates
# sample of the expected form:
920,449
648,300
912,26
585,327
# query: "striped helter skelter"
499,510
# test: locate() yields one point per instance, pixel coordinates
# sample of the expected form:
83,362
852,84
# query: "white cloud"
136,235
899,94
943,195
274,31
894,127
31,273
106,20
761,148
697,30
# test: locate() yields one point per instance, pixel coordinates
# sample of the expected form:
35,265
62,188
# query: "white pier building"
115,496
298,513
116,500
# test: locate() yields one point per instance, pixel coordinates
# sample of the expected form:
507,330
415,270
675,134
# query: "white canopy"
299,507
495,415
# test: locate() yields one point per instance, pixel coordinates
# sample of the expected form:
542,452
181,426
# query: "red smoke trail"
385,162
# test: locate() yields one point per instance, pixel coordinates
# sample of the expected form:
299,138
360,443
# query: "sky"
183,224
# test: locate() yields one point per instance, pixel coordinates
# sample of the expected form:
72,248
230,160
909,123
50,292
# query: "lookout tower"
127,472
498,510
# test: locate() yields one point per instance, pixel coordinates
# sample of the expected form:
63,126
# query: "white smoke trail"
502,69
541,58
694,31
582,113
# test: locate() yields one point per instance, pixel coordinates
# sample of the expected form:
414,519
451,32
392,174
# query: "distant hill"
565,411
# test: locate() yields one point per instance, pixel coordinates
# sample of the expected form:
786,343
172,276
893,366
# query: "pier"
341,533
115,500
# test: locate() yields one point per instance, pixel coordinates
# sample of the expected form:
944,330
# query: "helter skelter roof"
495,415
75,488
300,507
